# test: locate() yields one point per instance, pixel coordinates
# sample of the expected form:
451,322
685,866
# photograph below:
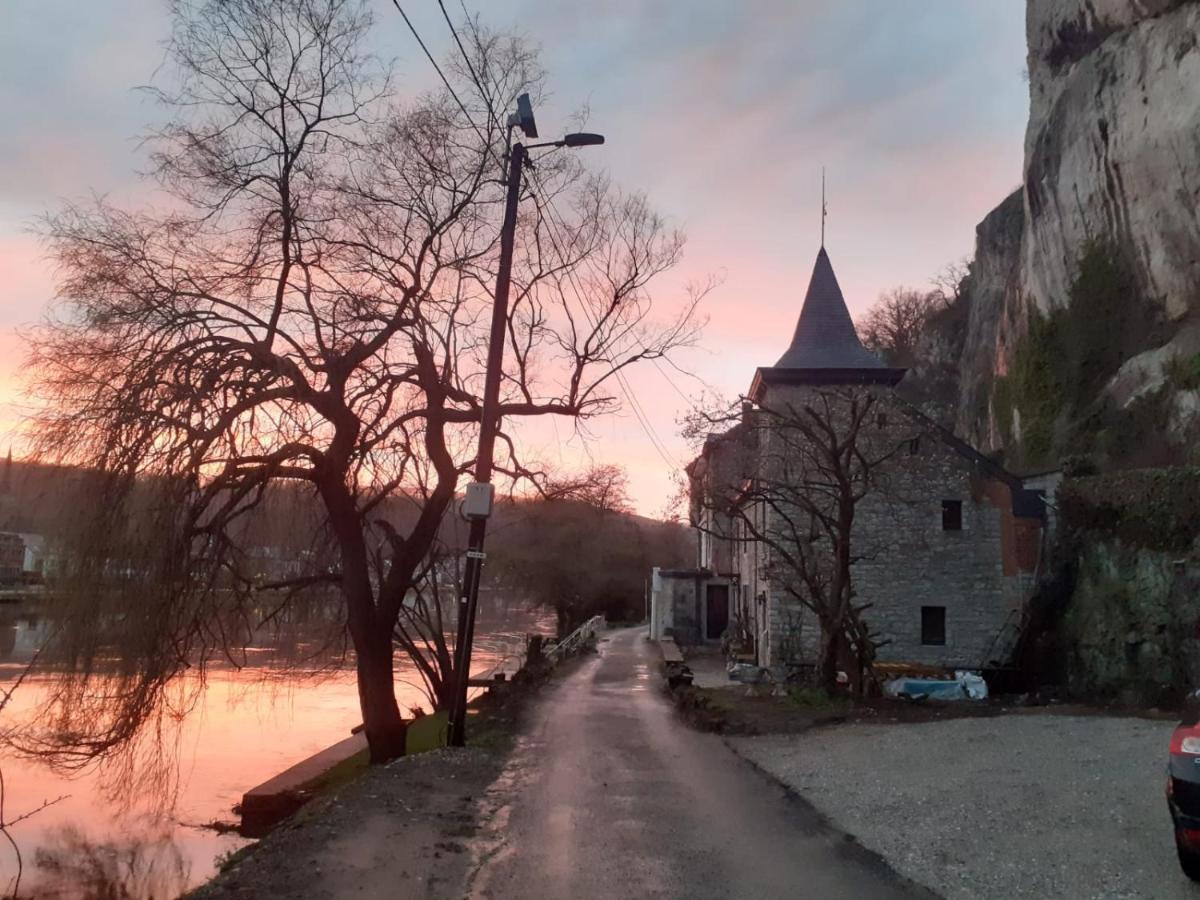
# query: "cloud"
723,112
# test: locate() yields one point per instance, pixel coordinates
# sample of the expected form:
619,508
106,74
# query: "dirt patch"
749,711
744,711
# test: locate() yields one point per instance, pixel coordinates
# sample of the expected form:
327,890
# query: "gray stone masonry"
909,560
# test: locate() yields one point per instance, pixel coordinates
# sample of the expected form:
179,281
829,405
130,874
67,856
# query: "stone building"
945,542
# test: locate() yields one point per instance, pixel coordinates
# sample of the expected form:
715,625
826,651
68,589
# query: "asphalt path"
608,794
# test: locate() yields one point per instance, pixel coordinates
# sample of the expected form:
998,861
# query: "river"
249,724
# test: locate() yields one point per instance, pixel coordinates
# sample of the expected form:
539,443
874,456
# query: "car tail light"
1186,739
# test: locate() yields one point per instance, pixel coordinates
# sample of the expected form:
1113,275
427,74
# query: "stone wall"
916,563
679,599
980,574
1132,629
1123,610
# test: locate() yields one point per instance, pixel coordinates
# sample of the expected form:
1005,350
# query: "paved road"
609,795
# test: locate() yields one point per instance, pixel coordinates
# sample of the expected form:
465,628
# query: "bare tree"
604,487
798,471
310,305
894,325
953,280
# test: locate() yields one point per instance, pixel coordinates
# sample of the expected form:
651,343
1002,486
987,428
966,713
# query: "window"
881,420
951,515
933,625
914,446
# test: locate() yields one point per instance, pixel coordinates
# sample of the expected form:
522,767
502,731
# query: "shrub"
1183,372
1037,384
1150,508
1080,465
1067,357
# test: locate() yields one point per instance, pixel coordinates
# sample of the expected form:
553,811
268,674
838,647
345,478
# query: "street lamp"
477,504
577,139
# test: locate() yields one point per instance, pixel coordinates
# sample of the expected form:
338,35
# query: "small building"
690,605
12,556
945,542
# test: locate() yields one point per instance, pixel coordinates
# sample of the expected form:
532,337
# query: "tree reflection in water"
71,865
288,697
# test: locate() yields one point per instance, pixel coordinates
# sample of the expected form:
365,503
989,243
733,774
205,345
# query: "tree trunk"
370,631
828,667
382,723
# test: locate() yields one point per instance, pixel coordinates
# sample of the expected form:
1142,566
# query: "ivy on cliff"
1155,509
1060,367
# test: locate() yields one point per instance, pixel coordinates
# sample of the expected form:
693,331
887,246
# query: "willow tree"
309,304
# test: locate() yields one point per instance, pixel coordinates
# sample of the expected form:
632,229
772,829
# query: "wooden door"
716,614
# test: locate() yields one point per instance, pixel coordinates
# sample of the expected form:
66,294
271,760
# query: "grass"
816,700
340,775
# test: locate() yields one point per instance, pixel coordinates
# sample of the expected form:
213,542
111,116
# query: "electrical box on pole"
477,503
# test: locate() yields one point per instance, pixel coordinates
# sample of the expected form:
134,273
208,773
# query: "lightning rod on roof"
824,209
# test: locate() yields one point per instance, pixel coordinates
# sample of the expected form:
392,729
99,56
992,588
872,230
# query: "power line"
486,143
483,92
554,220
671,382
639,413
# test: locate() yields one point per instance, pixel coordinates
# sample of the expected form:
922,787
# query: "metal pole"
488,426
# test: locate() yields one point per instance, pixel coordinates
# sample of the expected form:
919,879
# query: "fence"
576,638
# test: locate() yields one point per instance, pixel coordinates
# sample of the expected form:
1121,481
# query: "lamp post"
477,504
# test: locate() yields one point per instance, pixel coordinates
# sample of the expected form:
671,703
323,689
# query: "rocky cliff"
1112,169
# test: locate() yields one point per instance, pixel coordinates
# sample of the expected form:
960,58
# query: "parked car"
1183,788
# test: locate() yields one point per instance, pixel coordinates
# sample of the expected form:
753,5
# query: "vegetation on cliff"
1152,509
1052,400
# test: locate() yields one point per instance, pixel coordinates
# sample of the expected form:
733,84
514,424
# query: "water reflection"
73,866
249,724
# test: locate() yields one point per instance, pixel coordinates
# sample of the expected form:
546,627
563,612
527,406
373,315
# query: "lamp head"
582,139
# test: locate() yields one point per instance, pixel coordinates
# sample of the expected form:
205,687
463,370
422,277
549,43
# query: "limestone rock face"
995,307
1113,143
1112,151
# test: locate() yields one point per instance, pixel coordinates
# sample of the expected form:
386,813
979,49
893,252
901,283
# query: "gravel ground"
1031,805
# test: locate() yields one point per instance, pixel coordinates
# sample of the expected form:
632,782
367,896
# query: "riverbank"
245,725
397,830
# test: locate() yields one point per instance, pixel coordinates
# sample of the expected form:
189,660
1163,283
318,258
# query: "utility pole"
477,505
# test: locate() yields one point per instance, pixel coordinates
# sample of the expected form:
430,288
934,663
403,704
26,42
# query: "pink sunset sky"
722,112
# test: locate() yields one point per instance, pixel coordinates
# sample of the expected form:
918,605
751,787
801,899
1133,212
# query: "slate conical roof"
825,337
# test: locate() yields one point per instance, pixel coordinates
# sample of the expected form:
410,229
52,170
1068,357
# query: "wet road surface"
608,794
